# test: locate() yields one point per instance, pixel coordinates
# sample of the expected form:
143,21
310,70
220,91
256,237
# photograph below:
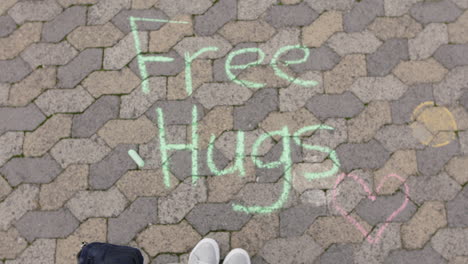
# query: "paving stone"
455,168
215,122
457,210
176,112
313,197
395,137
137,103
427,41
212,217
432,160
137,131
426,255
293,120
426,71
461,3
265,75
6,5
67,3
142,212
432,188
463,141
451,56
338,253
105,10
143,4
5,188
85,204
20,118
23,92
295,96
363,127
22,199
194,44
176,7
320,59
53,195
356,42
342,105
81,151
397,8
47,54
320,6
13,70
395,27
123,52
435,12
227,142
105,35
387,56
8,25
290,15
215,17
451,242
19,40
362,14
345,73
295,249
296,220
247,31
169,34
403,108
145,183
175,206
4,90
403,163
284,36
30,170
42,139
458,260
157,69
213,94
322,28
34,11
11,244
64,23
374,253
378,88
41,251
168,238
457,30
93,229
102,110
46,224
252,9
75,71
12,145
165,259
64,101
122,19
450,89
202,72
371,155
111,82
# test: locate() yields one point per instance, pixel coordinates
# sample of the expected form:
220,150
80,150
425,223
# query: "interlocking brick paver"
371,155
23,92
121,20
12,145
111,82
362,128
22,199
296,220
215,17
376,252
64,100
165,259
451,242
13,70
74,150
433,188
66,22
402,108
295,96
211,125
72,73
41,251
457,30
67,3
161,69
294,249
435,12
174,7
47,54
194,44
451,56
213,94
322,28
345,73
455,168
20,39
450,89
427,41
362,14
431,161
290,15
426,255
423,71
137,103
169,34
11,243
176,112
378,88
105,10
30,170
5,188
247,31
252,9
395,8
319,6
124,51
117,131
338,253
320,59
457,210
387,56
396,137
356,42
95,36
145,183
342,105
395,27
403,163
34,11
8,25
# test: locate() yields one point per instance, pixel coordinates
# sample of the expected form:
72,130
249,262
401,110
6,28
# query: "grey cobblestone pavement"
305,131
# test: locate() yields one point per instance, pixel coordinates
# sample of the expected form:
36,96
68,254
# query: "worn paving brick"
396,137
64,100
145,183
30,170
371,155
296,220
13,70
90,121
111,82
450,89
137,102
319,6
164,69
213,94
41,251
11,243
118,131
362,14
218,120
194,44
175,7
252,9
293,120
457,210
74,72
402,108
363,127
425,71
284,36
451,242
43,224
342,105
20,118
215,17
67,3
105,10
320,59
8,25
21,38
142,212
455,168
435,12
64,23
356,42
34,11
290,15
395,27
338,253
23,92
295,96
373,253
451,56
427,41
403,163
330,138
47,54
123,52
176,112
42,139
168,238
81,151
5,188
344,73
247,31
387,56
457,30
202,72
322,28
169,34
426,255
395,8
432,188
378,88
95,36
12,145
21,200
226,143
4,91
335,229
431,160
122,19
296,249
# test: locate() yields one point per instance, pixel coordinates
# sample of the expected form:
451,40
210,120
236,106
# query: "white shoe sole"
234,252
210,241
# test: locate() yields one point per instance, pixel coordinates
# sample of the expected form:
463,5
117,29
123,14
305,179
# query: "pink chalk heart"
372,197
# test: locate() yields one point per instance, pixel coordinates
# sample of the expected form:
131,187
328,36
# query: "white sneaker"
237,256
205,252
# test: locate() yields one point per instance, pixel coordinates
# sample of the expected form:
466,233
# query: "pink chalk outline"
372,197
